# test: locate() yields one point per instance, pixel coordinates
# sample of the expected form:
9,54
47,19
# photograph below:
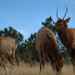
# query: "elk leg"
73,59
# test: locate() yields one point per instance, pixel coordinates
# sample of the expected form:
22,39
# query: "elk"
7,49
67,36
47,47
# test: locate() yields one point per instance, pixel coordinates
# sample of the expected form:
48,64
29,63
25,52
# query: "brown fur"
7,49
47,47
67,36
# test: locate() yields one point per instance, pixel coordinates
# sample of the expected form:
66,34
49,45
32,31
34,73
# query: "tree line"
26,50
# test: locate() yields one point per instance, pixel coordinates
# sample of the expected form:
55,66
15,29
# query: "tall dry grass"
26,69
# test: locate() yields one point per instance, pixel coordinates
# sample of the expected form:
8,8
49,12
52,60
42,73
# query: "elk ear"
68,19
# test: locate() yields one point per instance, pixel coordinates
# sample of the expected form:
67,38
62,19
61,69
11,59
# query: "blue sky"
26,15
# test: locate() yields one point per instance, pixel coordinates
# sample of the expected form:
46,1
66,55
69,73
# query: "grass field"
25,69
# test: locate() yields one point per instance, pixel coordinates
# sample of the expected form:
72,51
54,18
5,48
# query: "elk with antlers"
67,36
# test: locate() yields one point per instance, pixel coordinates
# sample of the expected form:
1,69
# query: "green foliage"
1,33
49,23
11,32
26,48
27,51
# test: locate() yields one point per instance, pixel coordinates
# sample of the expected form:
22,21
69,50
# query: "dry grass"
25,69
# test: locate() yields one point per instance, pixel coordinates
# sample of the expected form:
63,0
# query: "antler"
65,13
57,13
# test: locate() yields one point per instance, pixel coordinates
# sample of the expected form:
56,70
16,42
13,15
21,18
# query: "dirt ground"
25,69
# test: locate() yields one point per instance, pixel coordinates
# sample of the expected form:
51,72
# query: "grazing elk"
67,36
47,47
7,49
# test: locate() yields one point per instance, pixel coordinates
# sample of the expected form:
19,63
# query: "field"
25,69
